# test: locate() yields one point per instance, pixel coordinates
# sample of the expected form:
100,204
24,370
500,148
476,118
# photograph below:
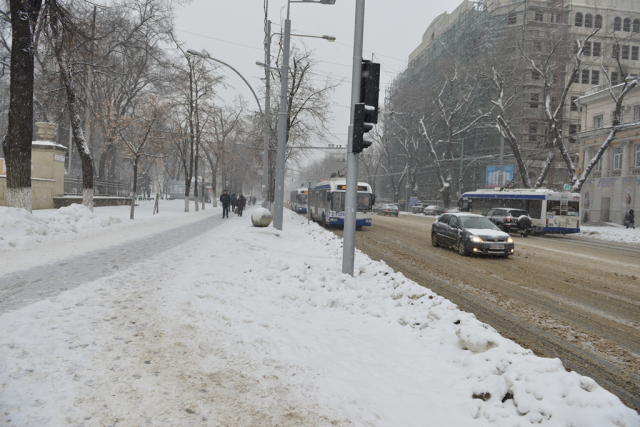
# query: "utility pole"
267,128
349,240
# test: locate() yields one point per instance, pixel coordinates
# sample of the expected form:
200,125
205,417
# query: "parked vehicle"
417,208
471,234
433,210
386,210
511,220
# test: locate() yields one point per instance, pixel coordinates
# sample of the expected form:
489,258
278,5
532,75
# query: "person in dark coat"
253,200
234,200
225,199
631,219
241,203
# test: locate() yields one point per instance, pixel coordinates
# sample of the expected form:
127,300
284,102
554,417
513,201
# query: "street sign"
567,187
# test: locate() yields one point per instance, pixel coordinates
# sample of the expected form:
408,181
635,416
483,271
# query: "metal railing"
73,186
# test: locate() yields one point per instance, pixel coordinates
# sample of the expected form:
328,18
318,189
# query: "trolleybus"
327,201
298,200
550,211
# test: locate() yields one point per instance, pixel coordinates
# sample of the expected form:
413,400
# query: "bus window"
574,209
553,207
364,202
534,207
337,201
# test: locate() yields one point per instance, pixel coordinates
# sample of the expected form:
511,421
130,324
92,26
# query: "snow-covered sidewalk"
249,326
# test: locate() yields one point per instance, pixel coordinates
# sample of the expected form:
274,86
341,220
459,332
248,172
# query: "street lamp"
282,117
206,55
267,108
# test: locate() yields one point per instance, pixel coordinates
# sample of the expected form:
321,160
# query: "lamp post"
267,108
282,117
206,55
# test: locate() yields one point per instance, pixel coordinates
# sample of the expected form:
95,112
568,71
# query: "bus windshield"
338,201
302,199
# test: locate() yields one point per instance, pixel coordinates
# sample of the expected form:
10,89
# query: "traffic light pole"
349,239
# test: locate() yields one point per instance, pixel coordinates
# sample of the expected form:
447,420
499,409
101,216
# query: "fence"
73,186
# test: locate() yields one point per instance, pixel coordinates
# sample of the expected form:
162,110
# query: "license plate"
496,247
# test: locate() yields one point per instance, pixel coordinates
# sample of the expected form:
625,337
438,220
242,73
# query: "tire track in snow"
21,288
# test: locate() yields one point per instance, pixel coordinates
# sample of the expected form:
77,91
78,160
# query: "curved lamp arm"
207,56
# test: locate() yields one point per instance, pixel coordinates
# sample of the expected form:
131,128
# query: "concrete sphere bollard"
261,217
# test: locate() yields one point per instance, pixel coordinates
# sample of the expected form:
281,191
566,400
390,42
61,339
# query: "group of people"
237,204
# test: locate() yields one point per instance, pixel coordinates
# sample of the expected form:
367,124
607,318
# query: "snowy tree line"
136,104
484,81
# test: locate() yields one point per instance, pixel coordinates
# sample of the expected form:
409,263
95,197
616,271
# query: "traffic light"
370,89
360,127
366,111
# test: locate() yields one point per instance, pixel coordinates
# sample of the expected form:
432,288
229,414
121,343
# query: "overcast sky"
233,31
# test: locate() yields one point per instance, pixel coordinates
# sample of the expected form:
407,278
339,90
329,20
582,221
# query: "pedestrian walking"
234,200
631,221
253,200
225,200
241,203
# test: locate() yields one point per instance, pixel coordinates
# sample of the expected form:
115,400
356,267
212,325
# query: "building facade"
514,33
613,186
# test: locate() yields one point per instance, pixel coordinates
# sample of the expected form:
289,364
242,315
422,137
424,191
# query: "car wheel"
434,240
462,248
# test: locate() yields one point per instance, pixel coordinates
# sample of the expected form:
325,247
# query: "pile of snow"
250,326
18,226
612,233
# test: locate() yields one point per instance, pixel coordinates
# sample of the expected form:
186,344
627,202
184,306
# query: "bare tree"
17,142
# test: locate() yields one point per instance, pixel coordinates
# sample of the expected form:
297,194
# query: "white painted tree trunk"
19,198
87,198
186,203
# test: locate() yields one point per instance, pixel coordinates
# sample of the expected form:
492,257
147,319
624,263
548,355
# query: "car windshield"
392,206
479,222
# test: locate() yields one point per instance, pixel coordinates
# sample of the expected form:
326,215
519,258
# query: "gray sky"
233,31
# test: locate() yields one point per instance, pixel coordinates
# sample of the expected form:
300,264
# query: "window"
574,106
573,129
636,113
539,17
535,75
636,25
634,53
625,52
637,156
595,77
614,78
512,19
585,77
535,97
627,25
615,51
617,24
533,130
597,122
578,20
598,21
453,222
597,48
586,51
617,158
588,20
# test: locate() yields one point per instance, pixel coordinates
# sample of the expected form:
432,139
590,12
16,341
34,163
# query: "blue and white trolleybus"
298,200
327,201
550,211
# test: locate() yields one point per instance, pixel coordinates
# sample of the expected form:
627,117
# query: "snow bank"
253,326
612,233
18,226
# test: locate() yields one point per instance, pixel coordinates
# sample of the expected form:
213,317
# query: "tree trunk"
134,188
17,141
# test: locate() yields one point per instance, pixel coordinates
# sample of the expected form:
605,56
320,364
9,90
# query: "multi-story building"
613,186
516,32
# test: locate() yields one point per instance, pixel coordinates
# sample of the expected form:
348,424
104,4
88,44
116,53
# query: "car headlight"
509,240
476,239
